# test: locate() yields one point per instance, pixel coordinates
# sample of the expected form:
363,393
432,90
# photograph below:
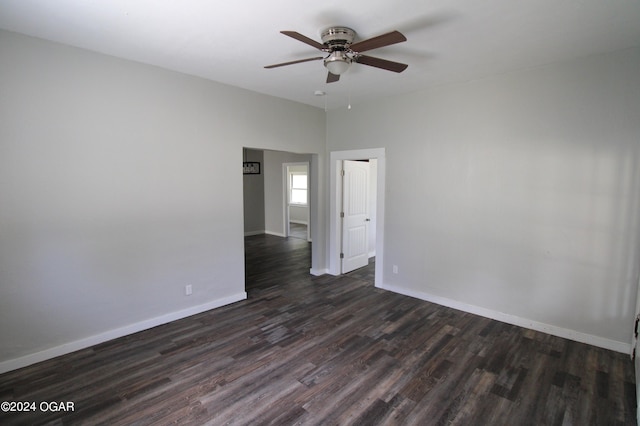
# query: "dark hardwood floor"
297,230
329,350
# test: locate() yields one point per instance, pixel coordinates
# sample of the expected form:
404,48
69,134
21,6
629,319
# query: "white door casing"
355,207
334,241
286,216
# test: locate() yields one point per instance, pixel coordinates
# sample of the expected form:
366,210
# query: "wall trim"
24,361
318,272
252,233
514,320
277,234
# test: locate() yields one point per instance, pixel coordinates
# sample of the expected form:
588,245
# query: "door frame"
335,202
285,179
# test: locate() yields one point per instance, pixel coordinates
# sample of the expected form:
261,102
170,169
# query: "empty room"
436,221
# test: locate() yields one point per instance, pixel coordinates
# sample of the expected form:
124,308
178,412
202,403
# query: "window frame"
292,188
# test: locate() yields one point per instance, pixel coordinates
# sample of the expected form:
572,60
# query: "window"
298,188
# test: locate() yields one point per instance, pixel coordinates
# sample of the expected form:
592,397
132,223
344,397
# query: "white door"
355,212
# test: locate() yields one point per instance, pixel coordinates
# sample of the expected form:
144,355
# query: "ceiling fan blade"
381,63
304,39
332,78
382,40
294,62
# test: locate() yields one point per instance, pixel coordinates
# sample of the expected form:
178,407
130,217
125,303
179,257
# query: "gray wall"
516,195
253,192
120,183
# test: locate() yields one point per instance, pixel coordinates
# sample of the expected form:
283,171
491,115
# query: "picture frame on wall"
251,168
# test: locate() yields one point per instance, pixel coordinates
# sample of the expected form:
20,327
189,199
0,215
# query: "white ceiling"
230,42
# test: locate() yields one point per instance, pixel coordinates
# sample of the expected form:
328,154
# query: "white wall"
515,196
119,184
298,214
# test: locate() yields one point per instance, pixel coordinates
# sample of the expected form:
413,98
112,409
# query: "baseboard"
299,222
515,320
251,233
24,361
277,234
318,272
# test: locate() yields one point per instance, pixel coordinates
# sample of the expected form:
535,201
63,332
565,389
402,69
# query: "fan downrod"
338,38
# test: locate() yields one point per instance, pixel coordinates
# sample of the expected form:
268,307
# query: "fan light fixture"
337,62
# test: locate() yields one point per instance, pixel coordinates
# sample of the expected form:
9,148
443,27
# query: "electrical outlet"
188,290
395,269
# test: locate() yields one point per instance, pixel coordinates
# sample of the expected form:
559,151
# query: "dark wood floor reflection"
297,230
329,350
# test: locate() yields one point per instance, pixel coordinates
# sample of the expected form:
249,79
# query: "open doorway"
336,228
266,196
266,200
296,210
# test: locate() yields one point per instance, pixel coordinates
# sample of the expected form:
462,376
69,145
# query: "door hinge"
342,215
635,327
341,255
342,172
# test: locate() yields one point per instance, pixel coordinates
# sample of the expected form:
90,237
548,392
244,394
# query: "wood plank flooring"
297,230
329,350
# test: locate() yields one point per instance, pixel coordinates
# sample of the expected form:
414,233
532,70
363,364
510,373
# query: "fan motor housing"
337,37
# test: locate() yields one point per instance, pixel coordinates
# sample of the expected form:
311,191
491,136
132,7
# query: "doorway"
297,206
335,208
264,201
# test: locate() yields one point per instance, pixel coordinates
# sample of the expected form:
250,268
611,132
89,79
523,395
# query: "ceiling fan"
342,51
